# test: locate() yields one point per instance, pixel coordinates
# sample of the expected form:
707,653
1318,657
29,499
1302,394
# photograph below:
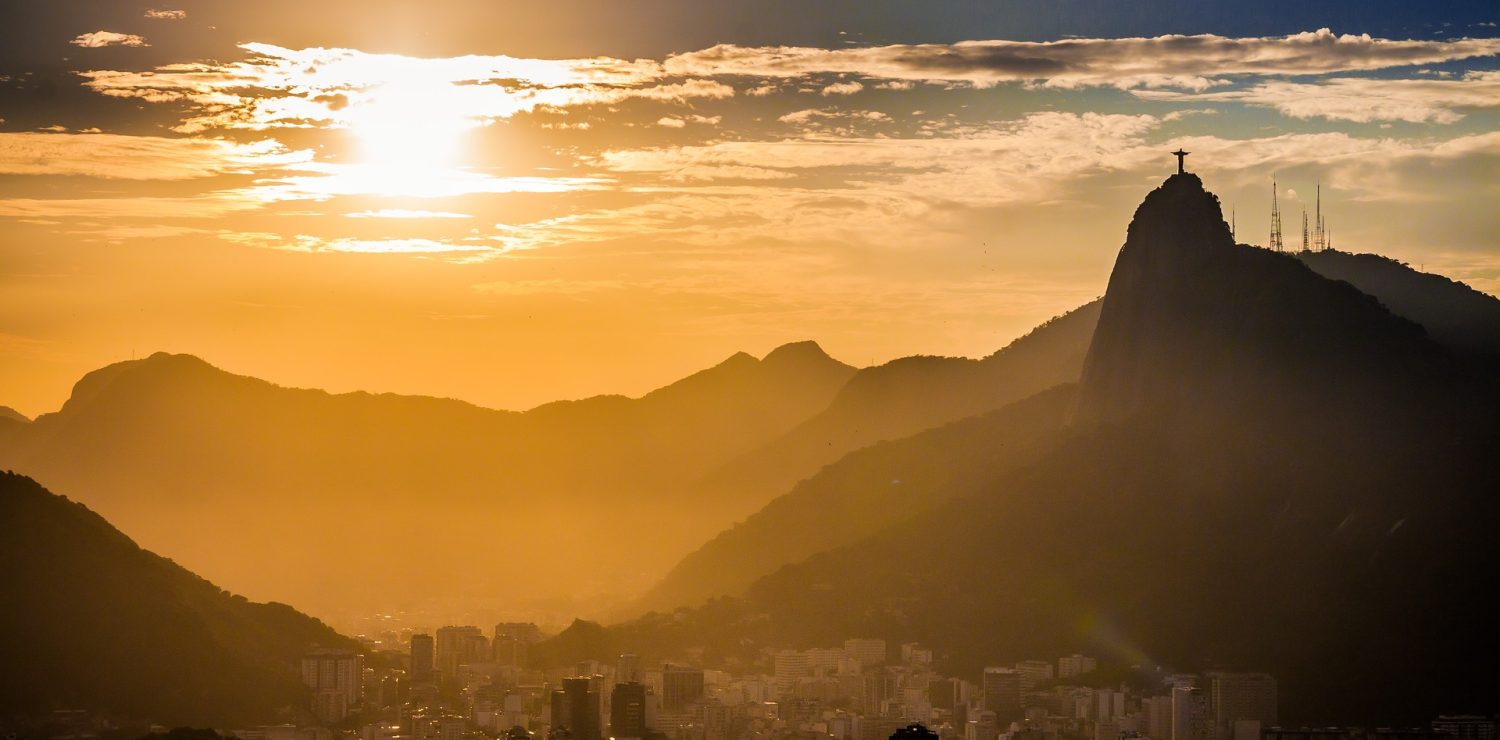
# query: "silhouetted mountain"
187,456
1454,315
95,622
9,414
1267,470
864,493
895,400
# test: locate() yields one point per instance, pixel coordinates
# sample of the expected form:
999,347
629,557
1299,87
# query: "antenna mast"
1276,244
1305,244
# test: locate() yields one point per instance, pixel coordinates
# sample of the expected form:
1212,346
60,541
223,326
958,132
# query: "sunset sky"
511,203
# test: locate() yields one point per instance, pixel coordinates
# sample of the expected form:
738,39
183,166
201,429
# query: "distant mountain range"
95,622
357,497
600,496
1261,468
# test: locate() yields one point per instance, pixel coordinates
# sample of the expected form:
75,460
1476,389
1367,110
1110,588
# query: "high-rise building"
681,687
1033,672
1156,714
454,646
1191,717
1075,665
422,658
869,652
627,714
1001,688
575,707
790,666
513,640
336,678
628,668
984,726
1466,726
1241,696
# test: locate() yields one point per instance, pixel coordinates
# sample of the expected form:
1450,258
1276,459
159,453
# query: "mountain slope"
104,625
906,396
1454,315
1267,470
864,493
184,455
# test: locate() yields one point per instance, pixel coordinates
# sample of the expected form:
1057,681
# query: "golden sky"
397,202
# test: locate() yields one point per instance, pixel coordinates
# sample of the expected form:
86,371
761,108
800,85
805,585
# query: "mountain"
864,493
95,622
9,414
1266,469
896,400
1454,314
398,488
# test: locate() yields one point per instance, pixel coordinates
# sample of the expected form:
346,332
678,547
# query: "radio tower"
1320,240
1305,244
1276,245
1231,226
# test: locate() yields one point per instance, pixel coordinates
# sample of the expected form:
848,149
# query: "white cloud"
117,156
99,39
1193,62
166,15
842,88
1361,99
275,87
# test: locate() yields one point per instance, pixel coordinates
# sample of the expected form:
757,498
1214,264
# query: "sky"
511,203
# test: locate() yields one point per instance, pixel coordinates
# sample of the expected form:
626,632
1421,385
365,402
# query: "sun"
411,136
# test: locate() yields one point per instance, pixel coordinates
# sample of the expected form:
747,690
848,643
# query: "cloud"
464,250
116,156
682,121
842,88
276,87
1359,99
405,213
813,115
1193,62
166,15
99,39
211,205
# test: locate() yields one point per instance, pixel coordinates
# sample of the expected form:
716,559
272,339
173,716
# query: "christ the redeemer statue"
1180,154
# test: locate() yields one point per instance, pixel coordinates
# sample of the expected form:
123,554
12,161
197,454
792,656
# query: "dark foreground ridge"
96,622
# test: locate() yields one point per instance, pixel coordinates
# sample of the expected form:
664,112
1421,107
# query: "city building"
512,642
869,652
1191,717
681,687
1236,697
1001,692
627,714
422,657
1034,672
1075,665
1466,726
336,678
454,647
575,707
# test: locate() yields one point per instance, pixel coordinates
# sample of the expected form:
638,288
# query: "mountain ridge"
193,654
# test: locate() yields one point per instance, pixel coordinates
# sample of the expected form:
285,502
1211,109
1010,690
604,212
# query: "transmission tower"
1276,245
1305,244
1319,241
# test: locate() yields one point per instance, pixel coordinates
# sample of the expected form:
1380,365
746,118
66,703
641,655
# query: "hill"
404,490
106,626
1454,314
898,399
866,492
1266,470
